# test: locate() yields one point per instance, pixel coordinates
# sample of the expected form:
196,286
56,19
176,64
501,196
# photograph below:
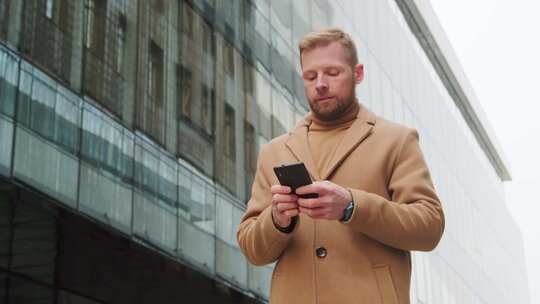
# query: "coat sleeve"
413,219
259,239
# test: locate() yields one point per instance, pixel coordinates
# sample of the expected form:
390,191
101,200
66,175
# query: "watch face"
347,212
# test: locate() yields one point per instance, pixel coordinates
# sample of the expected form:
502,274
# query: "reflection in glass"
155,201
301,20
196,218
196,90
282,61
9,73
281,18
47,36
42,109
228,19
282,111
257,37
109,62
151,114
106,144
230,262
6,145
263,98
250,156
50,110
106,169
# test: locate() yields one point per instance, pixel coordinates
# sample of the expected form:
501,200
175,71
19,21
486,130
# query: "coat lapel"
299,146
354,136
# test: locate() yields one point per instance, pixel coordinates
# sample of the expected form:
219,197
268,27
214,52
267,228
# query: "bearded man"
375,203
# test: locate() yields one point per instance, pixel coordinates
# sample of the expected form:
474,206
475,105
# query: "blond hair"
326,36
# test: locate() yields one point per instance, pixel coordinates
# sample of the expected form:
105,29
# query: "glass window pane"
263,91
155,211
42,107
6,145
106,175
226,165
282,63
319,14
258,35
25,96
9,73
68,111
281,18
301,20
196,242
230,262
42,165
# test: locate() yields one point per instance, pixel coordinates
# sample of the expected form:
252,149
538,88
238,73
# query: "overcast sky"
499,47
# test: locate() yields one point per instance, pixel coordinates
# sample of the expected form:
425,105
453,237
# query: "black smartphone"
295,176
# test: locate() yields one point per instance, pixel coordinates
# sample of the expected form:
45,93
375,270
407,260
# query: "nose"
321,85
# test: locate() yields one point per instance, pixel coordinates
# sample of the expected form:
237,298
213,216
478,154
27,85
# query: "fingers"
311,188
310,203
282,207
319,187
287,205
279,189
282,195
284,198
291,212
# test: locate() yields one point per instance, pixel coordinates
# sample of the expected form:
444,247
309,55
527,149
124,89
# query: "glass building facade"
129,132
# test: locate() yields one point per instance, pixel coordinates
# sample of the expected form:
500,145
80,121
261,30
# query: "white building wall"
480,258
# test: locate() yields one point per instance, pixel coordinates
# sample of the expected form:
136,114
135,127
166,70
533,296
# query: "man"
375,204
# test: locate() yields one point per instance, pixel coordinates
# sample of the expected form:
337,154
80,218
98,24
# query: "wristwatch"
347,212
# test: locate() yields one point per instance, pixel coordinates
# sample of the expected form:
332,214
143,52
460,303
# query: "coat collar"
354,136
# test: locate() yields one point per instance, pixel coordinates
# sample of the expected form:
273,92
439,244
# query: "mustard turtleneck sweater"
325,136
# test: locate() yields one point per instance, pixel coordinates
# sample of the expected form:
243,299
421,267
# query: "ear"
358,73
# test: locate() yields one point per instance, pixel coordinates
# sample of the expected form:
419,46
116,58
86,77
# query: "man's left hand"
329,205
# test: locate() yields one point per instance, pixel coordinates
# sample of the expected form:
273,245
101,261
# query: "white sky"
498,43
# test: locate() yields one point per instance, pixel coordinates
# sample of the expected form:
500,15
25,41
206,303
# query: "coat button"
321,252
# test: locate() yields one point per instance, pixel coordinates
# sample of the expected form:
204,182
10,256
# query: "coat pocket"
386,285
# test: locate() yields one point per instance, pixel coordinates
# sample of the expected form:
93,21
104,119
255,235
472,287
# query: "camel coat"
367,259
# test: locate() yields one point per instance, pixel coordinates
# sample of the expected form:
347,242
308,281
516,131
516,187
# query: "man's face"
329,80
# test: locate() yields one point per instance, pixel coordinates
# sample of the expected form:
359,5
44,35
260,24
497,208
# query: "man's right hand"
284,205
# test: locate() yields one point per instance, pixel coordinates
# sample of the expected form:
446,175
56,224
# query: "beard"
332,111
